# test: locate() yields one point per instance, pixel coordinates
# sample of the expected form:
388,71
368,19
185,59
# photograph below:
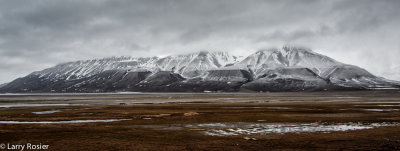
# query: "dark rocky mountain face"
287,79
285,69
2,85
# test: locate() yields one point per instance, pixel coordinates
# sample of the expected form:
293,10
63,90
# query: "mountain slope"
2,85
355,77
288,79
82,69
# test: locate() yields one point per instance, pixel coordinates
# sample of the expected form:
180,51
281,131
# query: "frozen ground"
380,97
358,120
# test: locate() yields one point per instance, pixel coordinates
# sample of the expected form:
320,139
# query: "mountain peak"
203,52
285,49
212,52
270,50
207,52
295,48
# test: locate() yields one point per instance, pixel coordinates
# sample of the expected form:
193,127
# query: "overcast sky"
36,34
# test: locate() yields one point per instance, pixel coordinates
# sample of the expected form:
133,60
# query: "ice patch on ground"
381,110
390,105
244,128
228,129
47,112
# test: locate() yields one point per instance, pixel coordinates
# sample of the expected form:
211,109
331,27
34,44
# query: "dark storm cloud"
41,33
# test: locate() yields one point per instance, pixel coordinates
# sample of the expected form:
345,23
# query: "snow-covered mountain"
195,64
279,69
264,60
82,69
182,64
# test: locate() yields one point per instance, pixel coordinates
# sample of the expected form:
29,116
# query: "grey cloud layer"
41,33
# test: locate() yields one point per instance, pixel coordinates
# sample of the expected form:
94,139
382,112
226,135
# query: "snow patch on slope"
195,64
81,69
269,59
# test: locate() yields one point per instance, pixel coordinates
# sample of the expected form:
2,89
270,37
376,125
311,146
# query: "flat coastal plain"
346,120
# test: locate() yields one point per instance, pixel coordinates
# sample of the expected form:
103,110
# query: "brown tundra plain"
355,120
